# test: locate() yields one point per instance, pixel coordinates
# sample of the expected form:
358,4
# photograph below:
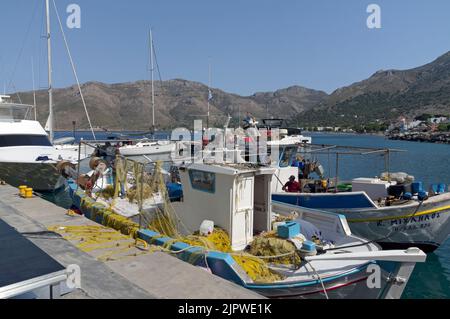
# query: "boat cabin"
237,198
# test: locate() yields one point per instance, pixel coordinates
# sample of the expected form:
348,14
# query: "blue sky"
254,45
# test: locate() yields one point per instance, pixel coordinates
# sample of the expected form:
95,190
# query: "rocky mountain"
387,95
127,106
382,98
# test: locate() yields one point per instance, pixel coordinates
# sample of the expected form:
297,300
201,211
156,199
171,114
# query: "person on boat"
300,163
292,186
249,121
307,169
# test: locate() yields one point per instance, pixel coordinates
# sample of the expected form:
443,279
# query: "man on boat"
249,121
292,186
300,163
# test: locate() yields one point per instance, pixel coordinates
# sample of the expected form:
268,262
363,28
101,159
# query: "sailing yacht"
27,157
147,148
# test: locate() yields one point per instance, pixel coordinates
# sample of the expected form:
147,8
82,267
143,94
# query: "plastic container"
407,196
442,188
423,196
308,249
417,187
289,230
277,225
207,228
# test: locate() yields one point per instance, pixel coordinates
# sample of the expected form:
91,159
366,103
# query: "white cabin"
237,198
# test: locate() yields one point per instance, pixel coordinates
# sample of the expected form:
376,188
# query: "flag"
210,95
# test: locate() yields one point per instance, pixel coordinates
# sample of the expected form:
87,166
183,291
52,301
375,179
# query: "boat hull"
356,284
147,150
425,226
42,177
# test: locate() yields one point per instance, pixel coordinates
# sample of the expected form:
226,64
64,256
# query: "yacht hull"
42,177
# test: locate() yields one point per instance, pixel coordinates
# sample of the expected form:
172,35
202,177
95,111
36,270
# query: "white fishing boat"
27,157
393,210
287,136
237,199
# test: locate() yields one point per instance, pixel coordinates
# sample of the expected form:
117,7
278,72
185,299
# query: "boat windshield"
288,156
14,112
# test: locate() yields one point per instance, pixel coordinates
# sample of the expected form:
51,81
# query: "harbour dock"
138,275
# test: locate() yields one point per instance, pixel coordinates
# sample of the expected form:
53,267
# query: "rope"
320,279
74,71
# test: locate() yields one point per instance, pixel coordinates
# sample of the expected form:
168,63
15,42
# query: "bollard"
29,193
23,191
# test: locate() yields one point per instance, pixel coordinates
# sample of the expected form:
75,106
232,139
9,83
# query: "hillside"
387,95
127,106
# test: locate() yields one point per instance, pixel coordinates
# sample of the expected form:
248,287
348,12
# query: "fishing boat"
148,148
393,210
27,157
237,199
227,209
287,136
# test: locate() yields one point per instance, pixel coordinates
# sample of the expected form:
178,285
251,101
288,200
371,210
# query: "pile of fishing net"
275,250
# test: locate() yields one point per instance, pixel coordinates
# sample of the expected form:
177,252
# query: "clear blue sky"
255,45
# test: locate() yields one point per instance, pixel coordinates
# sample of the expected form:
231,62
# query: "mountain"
127,106
387,95
382,98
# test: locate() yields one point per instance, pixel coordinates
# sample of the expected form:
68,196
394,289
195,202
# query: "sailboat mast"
34,90
152,66
209,95
50,85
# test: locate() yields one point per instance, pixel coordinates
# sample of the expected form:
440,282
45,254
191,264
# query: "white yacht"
27,157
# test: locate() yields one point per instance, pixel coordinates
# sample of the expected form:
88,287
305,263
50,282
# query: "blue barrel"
407,196
423,196
417,187
442,188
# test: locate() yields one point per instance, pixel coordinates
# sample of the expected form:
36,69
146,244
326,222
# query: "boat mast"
152,66
34,90
50,85
209,95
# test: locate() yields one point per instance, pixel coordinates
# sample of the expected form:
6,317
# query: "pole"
50,85
152,66
209,95
34,90
337,173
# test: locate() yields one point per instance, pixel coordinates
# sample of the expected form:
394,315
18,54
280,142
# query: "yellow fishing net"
165,221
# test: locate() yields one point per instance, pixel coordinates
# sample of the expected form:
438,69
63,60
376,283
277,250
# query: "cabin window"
24,140
203,181
287,157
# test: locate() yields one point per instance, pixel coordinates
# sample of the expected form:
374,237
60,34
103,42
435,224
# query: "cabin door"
242,221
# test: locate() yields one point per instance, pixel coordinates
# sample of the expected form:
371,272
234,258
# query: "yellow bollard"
23,191
29,193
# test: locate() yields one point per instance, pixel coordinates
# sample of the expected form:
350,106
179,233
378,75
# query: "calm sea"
429,163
